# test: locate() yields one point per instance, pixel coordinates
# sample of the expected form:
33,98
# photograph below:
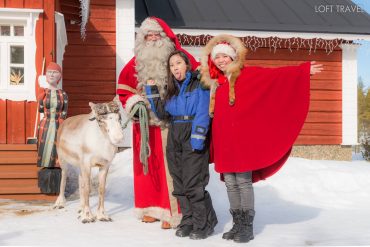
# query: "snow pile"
306,203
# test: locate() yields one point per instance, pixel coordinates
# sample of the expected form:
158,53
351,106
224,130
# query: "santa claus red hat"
224,48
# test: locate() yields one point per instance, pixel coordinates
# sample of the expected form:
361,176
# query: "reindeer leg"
101,215
81,194
86,215
61,200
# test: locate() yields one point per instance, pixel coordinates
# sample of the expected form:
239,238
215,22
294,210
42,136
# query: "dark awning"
313,16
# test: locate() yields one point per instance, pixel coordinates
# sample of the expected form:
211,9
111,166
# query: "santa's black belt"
182,118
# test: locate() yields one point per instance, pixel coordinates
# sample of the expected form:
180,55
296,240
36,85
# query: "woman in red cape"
257,115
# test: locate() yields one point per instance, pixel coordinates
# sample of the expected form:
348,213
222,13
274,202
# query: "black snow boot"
184,231
201,233
236,214
245,232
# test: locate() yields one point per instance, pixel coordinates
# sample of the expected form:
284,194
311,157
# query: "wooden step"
18,171
19,186
30,197
18,157
18,147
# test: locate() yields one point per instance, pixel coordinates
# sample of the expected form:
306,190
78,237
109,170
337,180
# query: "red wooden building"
89,75
278,33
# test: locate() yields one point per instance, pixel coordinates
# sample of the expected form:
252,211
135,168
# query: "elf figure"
53,103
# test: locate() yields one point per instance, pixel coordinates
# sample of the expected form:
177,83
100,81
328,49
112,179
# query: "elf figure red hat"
54,66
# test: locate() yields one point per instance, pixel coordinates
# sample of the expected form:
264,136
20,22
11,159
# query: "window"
16,65
12,46
5,30
17,53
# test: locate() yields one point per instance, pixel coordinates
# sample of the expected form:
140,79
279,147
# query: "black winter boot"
245,232
236,214
201,233
184,231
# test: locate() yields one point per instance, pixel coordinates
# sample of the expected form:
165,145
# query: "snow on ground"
318,203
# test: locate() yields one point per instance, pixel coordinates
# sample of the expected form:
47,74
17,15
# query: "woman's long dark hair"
171,87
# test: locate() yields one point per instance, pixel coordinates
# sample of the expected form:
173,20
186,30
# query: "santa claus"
153,191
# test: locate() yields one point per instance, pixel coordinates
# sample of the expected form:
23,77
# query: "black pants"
190,174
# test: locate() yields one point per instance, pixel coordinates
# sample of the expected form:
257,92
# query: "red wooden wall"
89,67
89,72
17,118
324,121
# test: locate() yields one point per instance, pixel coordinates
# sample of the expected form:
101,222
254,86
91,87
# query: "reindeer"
86,141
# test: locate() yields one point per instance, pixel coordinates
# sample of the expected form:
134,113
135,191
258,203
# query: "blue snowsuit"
187,148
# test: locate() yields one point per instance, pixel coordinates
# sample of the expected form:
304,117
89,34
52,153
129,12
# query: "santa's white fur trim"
225,49
132,101
160,214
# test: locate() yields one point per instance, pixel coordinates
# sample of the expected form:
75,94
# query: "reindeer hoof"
85,221
88,220
106,219
58,206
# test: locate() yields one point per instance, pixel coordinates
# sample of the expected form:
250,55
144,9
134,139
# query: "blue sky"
363,53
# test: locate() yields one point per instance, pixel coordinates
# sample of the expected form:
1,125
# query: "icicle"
197,40
301,43
289,45
84,14
297,42
254,43
310,45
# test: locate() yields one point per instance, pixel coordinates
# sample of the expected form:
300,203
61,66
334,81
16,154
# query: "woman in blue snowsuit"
186,108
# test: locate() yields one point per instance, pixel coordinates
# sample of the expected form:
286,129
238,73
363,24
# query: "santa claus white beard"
151,62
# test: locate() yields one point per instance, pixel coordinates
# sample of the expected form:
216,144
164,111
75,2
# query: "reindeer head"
109,119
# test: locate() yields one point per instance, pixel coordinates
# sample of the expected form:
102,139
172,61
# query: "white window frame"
28,19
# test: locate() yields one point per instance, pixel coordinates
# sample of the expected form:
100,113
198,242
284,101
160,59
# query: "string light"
273,43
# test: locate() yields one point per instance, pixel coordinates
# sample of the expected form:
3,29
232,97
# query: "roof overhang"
264,34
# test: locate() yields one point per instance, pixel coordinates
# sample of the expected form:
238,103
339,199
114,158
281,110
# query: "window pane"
18,31
5,30
17,54
16,76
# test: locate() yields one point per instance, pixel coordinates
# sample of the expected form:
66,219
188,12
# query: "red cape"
258,131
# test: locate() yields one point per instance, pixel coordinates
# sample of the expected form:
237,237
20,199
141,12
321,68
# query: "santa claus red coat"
152,191
258,112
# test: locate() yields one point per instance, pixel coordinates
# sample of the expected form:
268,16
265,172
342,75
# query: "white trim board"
349,94
61,41
125,43
264,34
125,33
21,10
